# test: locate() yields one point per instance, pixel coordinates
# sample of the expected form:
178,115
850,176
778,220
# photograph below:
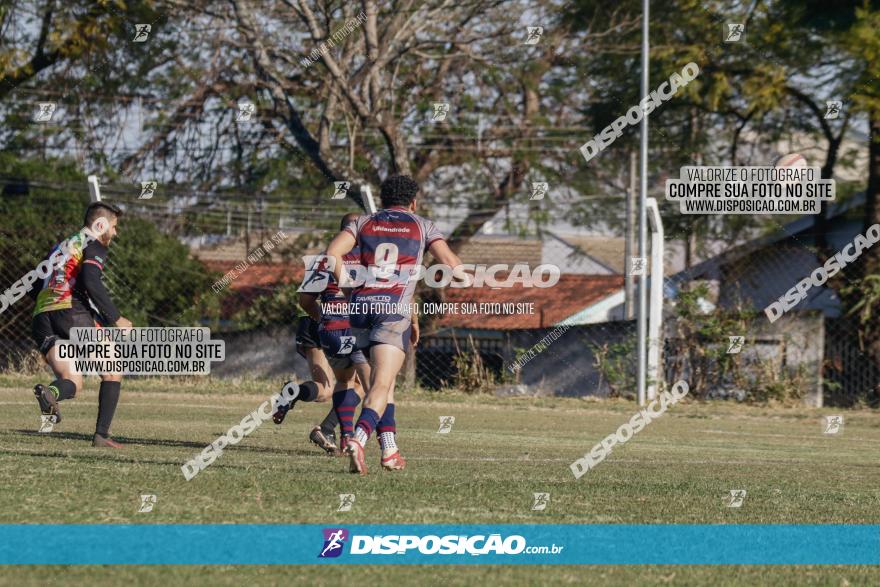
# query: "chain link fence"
849,374
590,359
17,350
804,355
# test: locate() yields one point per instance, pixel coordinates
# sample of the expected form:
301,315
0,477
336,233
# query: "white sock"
360,436
386,441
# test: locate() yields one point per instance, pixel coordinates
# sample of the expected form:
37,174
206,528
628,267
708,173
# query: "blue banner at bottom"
259,544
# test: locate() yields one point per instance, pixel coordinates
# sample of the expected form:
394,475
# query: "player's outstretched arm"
414,333
442,253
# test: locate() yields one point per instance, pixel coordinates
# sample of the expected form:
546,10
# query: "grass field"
500,451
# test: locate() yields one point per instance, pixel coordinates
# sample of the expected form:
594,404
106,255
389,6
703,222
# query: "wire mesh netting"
251,299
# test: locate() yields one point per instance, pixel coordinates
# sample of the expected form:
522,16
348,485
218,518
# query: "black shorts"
307,335
47,328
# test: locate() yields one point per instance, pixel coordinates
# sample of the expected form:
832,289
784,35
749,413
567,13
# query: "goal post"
655,307
368,198
94,188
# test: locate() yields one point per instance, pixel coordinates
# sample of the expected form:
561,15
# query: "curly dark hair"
398,190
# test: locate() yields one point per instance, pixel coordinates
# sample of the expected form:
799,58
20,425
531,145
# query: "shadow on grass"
118,457
170,443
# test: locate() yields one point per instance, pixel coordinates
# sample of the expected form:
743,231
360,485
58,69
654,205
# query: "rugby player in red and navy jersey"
392,243
324,340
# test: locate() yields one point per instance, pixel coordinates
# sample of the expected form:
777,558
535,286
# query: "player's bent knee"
382,384
325,390
111,377
378,390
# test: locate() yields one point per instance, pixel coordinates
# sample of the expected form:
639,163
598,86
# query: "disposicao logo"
433,544
334,540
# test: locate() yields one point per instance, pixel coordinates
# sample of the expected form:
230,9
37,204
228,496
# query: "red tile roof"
252,282
570,295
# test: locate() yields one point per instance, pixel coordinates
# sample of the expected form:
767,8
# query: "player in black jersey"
73,295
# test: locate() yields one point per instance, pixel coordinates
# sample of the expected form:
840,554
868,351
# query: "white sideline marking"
801,437
85,402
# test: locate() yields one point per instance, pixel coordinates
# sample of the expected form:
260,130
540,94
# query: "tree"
151,275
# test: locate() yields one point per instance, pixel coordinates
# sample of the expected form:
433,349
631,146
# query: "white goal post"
94,188
655,308
368,198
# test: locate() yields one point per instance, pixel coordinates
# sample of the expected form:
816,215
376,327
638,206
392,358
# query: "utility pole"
643,218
